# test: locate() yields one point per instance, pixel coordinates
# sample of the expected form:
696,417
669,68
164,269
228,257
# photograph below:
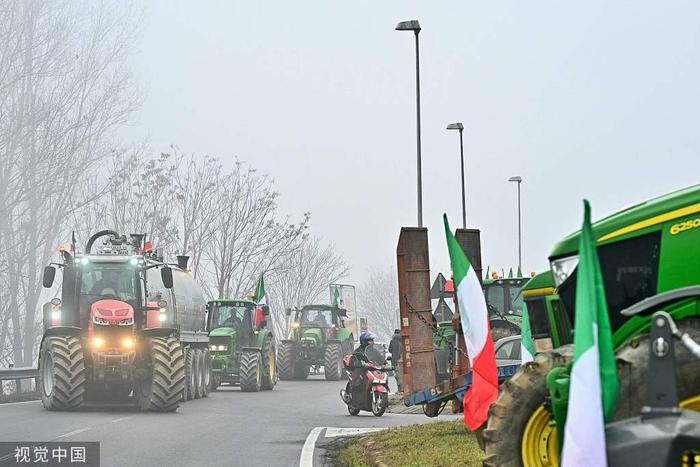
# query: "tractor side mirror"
266,310
166,275
288,312
49,275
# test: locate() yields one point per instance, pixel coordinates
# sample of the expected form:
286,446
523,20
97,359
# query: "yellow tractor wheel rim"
691,403
272,364
539,446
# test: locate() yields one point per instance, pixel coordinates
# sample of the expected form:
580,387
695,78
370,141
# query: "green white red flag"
477,335
593,384
260,300
527,345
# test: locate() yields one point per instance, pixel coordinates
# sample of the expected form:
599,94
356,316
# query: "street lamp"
414,26
519,180
460,127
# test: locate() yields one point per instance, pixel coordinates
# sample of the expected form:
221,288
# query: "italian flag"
593,383
336,297
260,300
477,336
527,346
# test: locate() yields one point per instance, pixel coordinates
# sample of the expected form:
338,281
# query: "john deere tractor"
241,344
317,337
650,260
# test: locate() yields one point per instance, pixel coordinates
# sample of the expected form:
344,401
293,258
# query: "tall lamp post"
414,26
460,127
519,180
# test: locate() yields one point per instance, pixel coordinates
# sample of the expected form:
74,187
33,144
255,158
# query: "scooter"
375,394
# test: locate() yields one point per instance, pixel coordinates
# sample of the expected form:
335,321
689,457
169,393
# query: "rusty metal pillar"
415,308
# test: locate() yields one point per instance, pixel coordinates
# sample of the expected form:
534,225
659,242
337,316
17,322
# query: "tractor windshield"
317,318
108,280
229,316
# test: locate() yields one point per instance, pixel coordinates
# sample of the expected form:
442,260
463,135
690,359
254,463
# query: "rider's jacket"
358,357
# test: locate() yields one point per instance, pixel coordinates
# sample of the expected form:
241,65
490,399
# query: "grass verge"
434,444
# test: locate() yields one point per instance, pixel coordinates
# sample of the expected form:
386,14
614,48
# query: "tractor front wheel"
61,373
206,372
269,363
251,371
161,389
333,362
190,375
518,431
285,360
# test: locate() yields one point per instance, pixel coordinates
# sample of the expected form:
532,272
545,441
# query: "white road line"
15,403
117,420
80,430
335,432
307,452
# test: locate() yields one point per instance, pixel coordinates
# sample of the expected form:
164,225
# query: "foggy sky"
593,99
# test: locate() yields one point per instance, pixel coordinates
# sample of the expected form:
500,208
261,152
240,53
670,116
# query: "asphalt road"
229,427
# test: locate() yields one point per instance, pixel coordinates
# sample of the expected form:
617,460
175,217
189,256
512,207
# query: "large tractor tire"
161,390
285,360
518,431
269,363
62,373
206,372
333,362
251,371
190,387
200,364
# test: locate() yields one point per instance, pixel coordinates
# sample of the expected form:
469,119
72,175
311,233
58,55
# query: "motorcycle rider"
359,363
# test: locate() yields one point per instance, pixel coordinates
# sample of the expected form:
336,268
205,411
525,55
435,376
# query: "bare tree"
378,298
64,88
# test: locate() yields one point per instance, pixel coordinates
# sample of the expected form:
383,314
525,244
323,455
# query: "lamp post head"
412,25
455,126
517,178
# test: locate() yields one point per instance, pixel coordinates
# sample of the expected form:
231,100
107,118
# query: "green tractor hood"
313,334
222,332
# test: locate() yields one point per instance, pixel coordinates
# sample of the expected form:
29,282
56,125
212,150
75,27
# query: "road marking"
15,403
117,420
307,452
335,432
80,430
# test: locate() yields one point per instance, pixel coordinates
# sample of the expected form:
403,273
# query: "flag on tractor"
260,298
593,383
72,242
336,297
527,346
477,335
486,276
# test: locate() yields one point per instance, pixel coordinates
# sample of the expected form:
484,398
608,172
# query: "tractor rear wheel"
301,370
285,360
61,373
269,363
517,431
197,369
190,376
333,362
250,371
206,372
161,389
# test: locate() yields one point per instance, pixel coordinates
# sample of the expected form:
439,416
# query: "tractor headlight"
98,320
295,325
128,343
219,348
98,342
562,268
162,317
56,314
126,322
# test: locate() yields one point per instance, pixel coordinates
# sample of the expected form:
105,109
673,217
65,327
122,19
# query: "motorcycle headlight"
98,320
562,268
126,322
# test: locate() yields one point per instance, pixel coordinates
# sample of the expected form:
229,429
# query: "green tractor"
318,337
505,304
649,257
242,345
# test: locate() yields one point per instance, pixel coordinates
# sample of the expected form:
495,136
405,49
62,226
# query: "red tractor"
126,323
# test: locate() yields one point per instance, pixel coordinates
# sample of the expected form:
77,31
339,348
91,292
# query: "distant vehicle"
508,351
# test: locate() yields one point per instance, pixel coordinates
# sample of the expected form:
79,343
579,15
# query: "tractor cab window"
516,300
317,318
230,316
495,299
104,281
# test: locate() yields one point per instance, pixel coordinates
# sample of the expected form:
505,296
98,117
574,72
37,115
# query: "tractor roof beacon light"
182,261
460,127
414,26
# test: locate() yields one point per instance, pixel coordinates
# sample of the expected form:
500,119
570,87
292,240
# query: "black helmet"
365,337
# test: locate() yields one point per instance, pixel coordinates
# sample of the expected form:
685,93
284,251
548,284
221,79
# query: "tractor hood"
225,331
311,334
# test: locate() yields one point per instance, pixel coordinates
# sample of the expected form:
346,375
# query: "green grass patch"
434,444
